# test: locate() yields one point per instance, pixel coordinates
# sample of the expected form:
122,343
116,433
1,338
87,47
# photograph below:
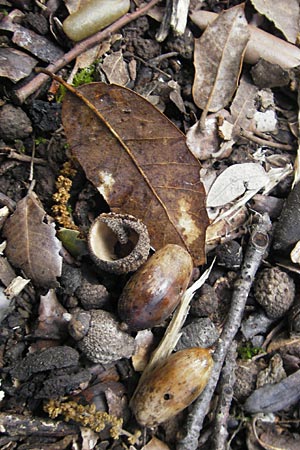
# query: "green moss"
248,351
40,140
83,76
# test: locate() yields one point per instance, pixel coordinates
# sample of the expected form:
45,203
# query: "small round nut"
245,379
92,295
229,255
104,342
79,325
274,290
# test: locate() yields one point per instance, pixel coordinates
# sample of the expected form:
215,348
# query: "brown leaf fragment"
139,162
218,58
31,243
284,14
15,64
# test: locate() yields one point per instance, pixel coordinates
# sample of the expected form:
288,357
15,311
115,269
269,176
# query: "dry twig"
220,432
258,244
28,89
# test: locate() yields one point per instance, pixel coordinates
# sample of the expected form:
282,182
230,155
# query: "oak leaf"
139,162
31,243
218,57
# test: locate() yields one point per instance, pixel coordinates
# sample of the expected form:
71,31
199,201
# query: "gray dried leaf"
31,243
115,68
234,181
243,107
218,58
15,64
283,13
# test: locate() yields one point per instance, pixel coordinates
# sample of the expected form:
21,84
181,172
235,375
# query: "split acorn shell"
172,386
156,288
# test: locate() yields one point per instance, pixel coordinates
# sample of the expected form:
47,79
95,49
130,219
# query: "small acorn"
155,289
172,386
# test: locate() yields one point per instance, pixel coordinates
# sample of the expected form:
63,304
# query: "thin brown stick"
21,94
12,154
251,136
258,244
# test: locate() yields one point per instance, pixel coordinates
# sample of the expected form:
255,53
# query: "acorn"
172,386
156,288
274,290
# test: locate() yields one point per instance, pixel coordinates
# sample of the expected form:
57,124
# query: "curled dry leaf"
284,14
243,108
218,58
234,181
31,243
139,162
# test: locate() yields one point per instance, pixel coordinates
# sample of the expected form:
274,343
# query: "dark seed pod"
154,291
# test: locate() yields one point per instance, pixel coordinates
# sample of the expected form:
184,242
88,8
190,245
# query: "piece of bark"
18,425
15,64
261,44
273,397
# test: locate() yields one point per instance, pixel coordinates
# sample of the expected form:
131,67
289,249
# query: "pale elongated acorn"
172,386
93,16
155,289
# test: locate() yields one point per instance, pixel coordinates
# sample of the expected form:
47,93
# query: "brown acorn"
172,386
155,289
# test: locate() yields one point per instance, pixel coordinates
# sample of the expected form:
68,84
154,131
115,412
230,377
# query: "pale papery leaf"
203,143
155,444
32,245
218,57
284,14
234,181
261,44
115,68
243,107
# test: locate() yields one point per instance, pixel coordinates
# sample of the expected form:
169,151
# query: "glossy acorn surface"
172,386
93,16
155,289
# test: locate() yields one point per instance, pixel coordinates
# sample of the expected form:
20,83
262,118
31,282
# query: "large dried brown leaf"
31,243
147,172
218,58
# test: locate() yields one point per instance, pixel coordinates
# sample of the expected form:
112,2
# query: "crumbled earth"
52,377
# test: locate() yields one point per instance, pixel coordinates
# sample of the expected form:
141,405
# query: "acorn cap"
105,342
118,243
274,290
